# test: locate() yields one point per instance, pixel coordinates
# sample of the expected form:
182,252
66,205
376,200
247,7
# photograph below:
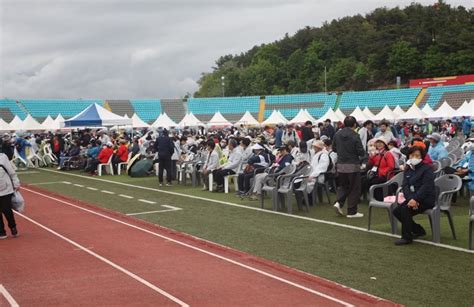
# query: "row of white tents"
218,120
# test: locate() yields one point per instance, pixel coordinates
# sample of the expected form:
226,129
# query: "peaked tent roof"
331,115
427,110
137,122
218,120
31,124
4,126
48,123
190,120
398,111
444,111
466,109
164,121
96,116
16,123
339,113
413,112
302,117
385,113
368,113
359,115
58,122
247,120
275,118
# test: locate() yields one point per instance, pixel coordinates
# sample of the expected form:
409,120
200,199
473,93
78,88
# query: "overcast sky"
143,48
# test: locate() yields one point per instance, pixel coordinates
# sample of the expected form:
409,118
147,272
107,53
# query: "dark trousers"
405,215
244,181
93,165
6,209
219,175
174,169
164,164
349,188
378,193
115,161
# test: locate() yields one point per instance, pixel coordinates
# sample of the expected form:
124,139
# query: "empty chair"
395,183
471,220
459,153
446,186
446,162
437,171
270,185
453,157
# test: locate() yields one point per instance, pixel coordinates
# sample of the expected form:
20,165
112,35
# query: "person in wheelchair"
73,151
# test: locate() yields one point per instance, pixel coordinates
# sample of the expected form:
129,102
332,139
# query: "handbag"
18,202
373,173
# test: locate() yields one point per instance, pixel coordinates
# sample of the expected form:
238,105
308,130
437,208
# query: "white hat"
257,147
318,143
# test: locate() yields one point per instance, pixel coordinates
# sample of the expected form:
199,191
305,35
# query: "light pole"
223,86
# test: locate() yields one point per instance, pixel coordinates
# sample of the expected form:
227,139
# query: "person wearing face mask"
230,167
380,166
419,191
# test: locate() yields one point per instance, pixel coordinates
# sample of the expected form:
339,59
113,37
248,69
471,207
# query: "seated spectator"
121,155
419,191
396,153
135,147
211,163
102,158
73,151
302,155
321,163
384,132
255,165
437,150
380,166
284,159
231,167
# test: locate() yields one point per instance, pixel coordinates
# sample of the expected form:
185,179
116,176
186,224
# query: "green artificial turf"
416,275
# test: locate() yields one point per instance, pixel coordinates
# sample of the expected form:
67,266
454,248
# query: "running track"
72,253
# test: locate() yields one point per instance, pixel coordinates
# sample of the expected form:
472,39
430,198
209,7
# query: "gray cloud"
144,48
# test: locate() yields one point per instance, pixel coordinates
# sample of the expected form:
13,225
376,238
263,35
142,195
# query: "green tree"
403,60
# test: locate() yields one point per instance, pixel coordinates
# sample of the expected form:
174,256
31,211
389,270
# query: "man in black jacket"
328,129
164,146
350,152
307,132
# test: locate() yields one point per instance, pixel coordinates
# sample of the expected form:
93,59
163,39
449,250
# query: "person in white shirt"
384,132
245,149
9,184
290,135
231,167
211,163
319,164
365,133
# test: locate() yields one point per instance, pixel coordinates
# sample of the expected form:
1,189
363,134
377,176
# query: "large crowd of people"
351,156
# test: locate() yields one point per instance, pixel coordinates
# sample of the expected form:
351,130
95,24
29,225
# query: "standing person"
328,129
278,136
7,147
307,132
290,135
164,146
365,133
9,184
466,127
349,151
385,132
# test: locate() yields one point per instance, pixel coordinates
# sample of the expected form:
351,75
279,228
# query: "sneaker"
161,184
14,232
337,206
357,215
169,185
3,236
254,197
59,168
403,242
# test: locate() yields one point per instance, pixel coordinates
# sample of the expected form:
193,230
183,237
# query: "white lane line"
215,201
170,209
126,196
147,201
107,192
8,297
46,183
27,172
203,251
92,189
67,182
112,264
78,185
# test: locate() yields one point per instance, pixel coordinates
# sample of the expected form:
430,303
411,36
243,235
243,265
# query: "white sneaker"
337,206
59,168
357,215
161,184
3,237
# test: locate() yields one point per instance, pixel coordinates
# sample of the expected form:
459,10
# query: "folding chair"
18,158
234,178
119,166
270,185
106,165
285,190
48,154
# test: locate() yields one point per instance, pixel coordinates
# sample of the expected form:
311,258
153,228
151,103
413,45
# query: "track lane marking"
8,297
170,209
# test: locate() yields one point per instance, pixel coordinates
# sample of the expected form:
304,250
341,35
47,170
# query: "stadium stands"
455,95
121,107
376,100
41,108
174,108
147,109
232,108
10,108
317,104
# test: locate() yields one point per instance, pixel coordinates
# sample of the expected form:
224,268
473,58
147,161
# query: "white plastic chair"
234,178
106,165
119,166
18,158
48,154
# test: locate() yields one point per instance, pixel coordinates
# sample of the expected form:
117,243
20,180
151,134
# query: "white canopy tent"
413,112
164,121
340,114
398,111
48,123
189,120
466,109
137,122
4,126
428,110
58,122
16,123
31,124
247,120
302,117
359,115
331,115
275,118
444,111
218,120
386,113
368,113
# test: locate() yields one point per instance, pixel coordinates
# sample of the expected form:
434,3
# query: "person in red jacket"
102,158
121,155
380,166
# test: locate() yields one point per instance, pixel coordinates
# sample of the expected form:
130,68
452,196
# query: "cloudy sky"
143,48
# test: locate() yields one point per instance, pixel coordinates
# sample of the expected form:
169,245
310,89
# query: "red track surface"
41,268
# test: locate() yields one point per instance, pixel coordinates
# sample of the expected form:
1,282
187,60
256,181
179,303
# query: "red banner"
440,81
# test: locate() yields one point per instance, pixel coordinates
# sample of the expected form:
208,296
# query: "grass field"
416,275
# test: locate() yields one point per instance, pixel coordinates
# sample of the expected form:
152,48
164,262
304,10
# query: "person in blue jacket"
419,191
466,127
437,150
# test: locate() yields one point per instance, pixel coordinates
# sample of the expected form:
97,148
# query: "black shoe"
3,236
14,232
403,242
419,235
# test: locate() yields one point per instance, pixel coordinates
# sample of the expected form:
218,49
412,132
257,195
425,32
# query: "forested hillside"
359,52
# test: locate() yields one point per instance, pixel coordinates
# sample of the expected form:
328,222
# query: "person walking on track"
9,182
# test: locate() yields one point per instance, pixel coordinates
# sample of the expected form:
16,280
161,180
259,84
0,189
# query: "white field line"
78,185
285,281
170,209
147,201
105,260
208,200
92,189
46,183
107,192
8,297
27,172
126,196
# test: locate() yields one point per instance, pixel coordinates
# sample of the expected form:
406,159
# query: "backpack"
330,165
